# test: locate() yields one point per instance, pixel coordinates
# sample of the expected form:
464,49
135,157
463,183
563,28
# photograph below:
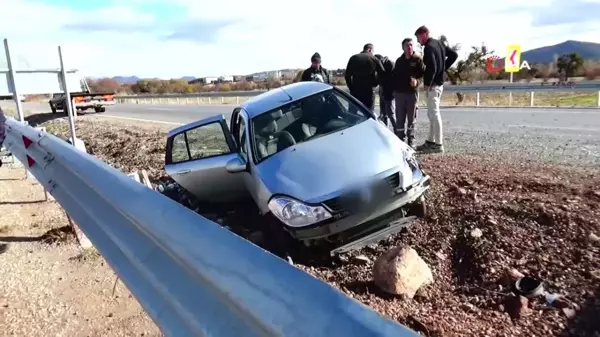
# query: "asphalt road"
570,136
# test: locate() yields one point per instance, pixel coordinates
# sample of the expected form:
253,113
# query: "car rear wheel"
100,109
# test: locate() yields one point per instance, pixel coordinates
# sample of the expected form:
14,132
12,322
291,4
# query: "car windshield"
304,120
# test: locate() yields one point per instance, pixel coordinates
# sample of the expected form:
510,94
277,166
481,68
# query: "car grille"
336,205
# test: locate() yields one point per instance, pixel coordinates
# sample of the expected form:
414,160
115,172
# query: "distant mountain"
587,50
126,79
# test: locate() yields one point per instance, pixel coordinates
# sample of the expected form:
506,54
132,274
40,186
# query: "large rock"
401,271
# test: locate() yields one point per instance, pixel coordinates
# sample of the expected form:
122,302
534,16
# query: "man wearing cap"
316,73
363,74
408,70
437,58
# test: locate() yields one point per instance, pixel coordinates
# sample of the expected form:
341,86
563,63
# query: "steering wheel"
286,136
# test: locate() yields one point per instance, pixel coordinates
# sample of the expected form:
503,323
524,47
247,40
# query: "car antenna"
290,96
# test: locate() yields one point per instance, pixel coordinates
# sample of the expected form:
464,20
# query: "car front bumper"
360,224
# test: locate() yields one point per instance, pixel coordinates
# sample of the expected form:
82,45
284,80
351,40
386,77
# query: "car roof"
275,98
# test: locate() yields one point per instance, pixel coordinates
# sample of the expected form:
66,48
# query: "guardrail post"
177,100
187,100
209,100
510,98
237,100
222,100
477,103
198,100
531,98
598,98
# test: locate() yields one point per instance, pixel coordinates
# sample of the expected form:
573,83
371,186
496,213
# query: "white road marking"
139,119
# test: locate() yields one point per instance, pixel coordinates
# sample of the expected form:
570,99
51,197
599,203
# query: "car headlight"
294,213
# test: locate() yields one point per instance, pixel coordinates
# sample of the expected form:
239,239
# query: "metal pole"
63,75
510,93
13,82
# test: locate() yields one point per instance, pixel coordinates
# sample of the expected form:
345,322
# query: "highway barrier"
192,276
237,97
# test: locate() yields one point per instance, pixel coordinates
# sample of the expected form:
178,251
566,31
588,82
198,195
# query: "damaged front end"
360,219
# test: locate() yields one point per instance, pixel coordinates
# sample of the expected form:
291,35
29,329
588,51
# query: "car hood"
321,168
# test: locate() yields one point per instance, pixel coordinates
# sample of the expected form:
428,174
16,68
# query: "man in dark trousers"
386,92
437,58
362,76
405,78
316,72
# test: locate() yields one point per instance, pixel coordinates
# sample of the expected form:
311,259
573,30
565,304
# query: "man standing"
437,58
316,72
362,73
386,91
408,70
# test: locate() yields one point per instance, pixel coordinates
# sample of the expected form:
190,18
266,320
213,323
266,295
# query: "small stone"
476,233
440,256
514,274
361,260
110,315
593,238
462,191
569,313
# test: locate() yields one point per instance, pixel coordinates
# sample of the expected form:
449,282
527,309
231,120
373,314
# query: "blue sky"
174,38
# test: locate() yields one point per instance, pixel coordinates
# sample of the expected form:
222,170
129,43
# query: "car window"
200,142
303,120
241,136
179,150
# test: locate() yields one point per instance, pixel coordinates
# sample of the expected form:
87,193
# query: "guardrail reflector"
30,161
27,142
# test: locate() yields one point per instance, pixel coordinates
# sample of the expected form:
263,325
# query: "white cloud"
134,37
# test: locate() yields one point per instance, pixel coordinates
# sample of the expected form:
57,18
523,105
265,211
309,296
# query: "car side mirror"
235,165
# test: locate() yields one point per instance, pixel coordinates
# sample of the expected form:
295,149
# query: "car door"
199,156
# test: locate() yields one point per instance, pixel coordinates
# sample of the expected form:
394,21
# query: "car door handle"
184,171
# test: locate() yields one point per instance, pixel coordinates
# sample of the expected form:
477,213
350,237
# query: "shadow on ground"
586,322
41,118
54,236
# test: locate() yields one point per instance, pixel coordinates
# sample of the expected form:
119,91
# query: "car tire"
99,109
418,208
277,240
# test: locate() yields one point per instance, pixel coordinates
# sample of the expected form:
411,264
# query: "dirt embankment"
541,220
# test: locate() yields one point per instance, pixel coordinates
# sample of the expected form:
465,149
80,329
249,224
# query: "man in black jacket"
407,72
386,92
437,57
316,72
362,76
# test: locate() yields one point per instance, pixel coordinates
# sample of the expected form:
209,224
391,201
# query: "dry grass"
48,286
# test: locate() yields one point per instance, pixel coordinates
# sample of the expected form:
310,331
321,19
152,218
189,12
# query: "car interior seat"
271,141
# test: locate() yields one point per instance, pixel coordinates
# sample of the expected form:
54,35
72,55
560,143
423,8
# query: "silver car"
316,162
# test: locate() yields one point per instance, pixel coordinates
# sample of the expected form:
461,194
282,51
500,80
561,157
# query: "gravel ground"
535,216
48,287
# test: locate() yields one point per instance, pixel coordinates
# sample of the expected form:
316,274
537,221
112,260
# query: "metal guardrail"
192,276
492,87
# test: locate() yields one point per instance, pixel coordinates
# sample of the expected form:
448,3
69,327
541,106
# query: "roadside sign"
512,62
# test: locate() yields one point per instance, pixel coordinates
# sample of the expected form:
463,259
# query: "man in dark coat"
362,76
409,69
386,92
437,57
316,72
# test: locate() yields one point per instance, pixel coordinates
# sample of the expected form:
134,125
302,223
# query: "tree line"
470,70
